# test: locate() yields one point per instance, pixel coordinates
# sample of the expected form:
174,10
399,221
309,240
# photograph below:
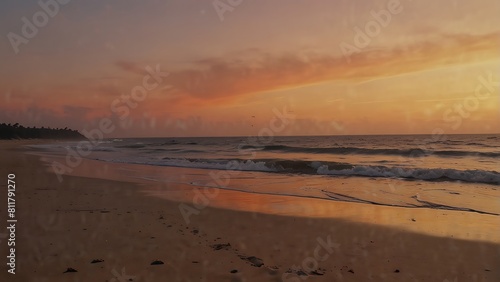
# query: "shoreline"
169,183
70,224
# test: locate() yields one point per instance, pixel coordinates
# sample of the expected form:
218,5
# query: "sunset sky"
433,64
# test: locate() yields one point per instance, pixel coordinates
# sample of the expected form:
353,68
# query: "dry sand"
70,224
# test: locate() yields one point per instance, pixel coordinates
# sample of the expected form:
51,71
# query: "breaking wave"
331,169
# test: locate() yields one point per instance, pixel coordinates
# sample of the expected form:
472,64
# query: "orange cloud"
218,81
228,78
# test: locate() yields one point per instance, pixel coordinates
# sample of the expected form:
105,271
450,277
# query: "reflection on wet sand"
268,196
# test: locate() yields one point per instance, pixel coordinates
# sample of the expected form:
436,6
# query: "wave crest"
334,169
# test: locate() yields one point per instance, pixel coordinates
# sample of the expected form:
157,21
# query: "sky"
236,67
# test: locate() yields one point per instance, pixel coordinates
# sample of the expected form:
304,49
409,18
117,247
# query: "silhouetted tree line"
16,131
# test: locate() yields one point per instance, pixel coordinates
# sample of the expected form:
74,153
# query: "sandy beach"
250,141
111,230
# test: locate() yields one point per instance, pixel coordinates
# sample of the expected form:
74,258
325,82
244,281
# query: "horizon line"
346,135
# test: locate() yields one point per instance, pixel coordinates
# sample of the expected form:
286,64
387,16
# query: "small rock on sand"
318,272
255,261
69,269
234,271
157,262
301,273
217,247
96,261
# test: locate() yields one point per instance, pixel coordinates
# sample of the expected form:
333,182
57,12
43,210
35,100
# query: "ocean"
453,172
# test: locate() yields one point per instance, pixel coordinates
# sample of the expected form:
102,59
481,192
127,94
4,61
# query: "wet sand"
70,224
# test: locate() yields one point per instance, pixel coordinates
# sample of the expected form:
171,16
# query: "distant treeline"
16,131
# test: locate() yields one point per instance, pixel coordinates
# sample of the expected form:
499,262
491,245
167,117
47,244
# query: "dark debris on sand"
298,272
157,262
255,261
319,271
96,261
69,269
218,247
